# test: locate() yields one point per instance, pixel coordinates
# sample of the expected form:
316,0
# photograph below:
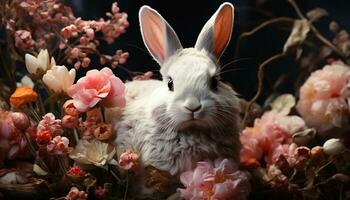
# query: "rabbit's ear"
216,33
160,39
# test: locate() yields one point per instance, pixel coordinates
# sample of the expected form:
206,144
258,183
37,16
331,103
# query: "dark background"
188,17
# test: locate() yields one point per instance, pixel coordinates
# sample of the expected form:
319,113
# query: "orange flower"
22,96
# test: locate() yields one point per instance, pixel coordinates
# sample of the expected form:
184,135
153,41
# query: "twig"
33,152
278,20
260,85
323,167
76,137
126,187
115,176
319,36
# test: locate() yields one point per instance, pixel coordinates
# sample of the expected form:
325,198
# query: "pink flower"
69,108
76,194
50,123
23,39
59,145
129,160
12,143
217,180
269,132
324,97
69,121
98,86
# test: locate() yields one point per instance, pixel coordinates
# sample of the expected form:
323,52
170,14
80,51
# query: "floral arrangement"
56,135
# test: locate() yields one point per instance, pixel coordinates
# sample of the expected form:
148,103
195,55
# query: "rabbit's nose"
194,109
192,104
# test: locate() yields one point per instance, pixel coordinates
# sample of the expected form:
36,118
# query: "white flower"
94,152
59,79
39,64
25,81
333,147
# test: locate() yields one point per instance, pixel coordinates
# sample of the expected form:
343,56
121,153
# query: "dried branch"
318,35
279,20
260,85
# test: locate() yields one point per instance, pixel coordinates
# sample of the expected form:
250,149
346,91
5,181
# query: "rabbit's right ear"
160,39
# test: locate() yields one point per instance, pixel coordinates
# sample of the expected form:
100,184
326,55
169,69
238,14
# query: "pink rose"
272,131
98,86
217,180
324,97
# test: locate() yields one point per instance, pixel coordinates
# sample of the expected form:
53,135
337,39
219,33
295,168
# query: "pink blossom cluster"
324,97
36,24
90,128
269,138
38,20
49,131
218,180
50,123
84,31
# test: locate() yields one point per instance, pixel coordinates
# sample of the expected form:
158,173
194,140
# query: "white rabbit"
191,115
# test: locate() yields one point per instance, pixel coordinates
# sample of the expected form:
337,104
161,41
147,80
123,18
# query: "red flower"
43,137
76,174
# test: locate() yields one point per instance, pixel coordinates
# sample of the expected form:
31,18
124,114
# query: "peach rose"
98,86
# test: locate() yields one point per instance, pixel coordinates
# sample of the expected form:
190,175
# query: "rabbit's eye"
171,84
214,83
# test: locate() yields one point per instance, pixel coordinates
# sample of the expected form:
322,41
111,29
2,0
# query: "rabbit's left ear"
216,33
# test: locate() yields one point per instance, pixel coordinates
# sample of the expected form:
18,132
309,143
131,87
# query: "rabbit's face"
194,91
191,80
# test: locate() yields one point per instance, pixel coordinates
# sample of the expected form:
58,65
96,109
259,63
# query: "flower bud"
69,121
333,147
317,152
20,120
69,108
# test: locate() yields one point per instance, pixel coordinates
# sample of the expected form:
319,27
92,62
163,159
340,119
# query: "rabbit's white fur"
156,123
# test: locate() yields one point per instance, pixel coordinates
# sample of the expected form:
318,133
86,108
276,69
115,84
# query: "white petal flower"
25,81
59,79
39,64
93,152
43,59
